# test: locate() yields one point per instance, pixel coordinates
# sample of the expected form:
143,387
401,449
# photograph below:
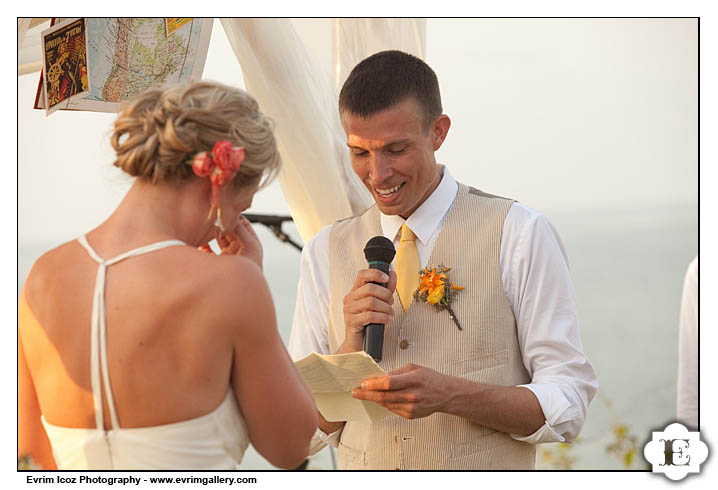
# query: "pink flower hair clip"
220,165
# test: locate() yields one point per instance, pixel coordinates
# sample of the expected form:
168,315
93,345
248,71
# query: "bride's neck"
160,212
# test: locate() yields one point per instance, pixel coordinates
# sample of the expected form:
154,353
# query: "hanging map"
126,56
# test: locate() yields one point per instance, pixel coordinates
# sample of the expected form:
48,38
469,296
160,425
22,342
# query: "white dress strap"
98,329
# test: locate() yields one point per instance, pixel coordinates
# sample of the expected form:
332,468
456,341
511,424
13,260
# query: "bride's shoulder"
225,290
51,265
226,278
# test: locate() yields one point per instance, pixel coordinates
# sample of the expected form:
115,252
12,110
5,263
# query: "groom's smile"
388,195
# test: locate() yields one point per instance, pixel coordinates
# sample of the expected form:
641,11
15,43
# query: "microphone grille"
379,248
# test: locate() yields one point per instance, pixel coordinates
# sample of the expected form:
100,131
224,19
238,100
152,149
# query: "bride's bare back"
169,351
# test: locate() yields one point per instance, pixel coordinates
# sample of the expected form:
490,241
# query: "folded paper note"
331,379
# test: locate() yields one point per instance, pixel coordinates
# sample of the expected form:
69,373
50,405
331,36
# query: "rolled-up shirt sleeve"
536,279
687,399
321,439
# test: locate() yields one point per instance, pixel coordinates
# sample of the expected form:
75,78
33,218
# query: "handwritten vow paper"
332,378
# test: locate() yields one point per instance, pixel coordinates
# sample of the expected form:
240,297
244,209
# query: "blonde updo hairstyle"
161,129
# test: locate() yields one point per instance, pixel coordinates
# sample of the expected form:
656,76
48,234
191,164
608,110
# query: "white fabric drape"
29,51
316,178
23,24
356,39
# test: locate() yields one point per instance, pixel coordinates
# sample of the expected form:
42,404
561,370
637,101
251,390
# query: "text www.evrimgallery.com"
133,480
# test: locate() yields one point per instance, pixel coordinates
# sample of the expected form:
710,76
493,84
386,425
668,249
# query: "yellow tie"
407,267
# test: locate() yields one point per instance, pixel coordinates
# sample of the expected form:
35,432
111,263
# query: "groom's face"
393,155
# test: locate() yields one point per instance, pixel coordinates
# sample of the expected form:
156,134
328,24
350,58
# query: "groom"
479,397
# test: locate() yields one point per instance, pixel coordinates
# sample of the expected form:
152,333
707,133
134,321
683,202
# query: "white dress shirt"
535,277
687,400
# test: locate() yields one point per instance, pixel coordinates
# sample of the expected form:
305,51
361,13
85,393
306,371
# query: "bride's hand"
205,248
241,241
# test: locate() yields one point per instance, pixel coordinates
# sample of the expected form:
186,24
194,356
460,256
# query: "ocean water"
627,266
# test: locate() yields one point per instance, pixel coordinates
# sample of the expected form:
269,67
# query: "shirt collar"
429,215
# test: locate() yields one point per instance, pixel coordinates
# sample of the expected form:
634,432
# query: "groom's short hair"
388,78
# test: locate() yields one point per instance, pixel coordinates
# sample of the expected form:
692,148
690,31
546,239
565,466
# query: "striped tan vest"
485,351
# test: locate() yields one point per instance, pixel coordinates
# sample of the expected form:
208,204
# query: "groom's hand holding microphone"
369,304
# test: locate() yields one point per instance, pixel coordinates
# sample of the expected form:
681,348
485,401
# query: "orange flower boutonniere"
436,289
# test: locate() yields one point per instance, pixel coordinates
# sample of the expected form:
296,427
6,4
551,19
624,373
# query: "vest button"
403,344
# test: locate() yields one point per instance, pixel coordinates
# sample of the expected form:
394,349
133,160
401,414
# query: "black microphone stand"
274,223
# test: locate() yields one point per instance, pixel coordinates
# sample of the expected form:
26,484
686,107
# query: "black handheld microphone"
379,253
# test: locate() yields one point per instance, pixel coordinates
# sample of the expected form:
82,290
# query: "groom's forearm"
510,409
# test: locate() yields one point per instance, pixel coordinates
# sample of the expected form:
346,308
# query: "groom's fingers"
368,304
361,308
364,287
360,320
403,397
359,302
391,285
365,276
393,382
406,368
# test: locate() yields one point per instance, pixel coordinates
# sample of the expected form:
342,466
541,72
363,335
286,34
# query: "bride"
137,348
